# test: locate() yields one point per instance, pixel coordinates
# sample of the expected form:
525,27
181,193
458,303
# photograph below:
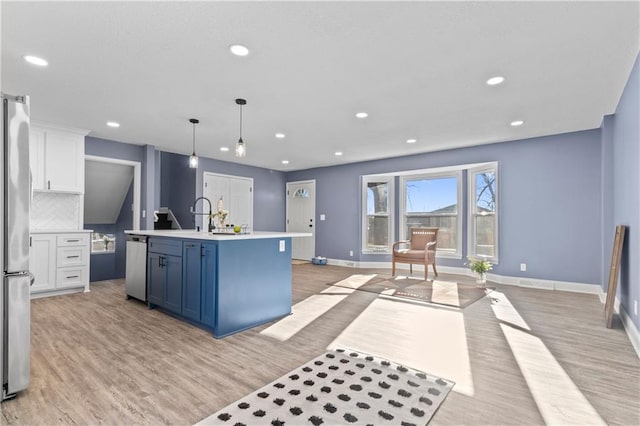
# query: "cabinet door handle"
73,241
72,257
73,276
48,184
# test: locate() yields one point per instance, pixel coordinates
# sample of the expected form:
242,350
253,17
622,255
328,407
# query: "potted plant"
480,267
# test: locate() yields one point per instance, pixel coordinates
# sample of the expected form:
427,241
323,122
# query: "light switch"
322,217
281,245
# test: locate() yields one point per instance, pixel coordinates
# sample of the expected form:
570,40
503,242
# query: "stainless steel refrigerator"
15,303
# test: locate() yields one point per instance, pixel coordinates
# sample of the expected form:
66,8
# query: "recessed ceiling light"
113,124
34,60
285,161
495,80
239,50
411,140
224,148
280,135
517,123
338,153
362,114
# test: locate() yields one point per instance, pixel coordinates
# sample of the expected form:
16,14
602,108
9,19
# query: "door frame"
137,166
315,219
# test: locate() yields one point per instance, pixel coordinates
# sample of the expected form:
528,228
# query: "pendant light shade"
193,159
241,149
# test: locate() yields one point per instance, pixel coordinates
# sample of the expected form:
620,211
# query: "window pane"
377,216
436,196
377,232
485,235
377,197
447,229
486,192
103,242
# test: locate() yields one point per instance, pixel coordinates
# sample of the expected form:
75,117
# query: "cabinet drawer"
66,240
72,256
165,246
71,277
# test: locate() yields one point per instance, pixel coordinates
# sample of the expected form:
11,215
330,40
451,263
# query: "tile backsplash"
54,210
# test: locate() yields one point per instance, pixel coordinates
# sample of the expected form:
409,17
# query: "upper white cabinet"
57,159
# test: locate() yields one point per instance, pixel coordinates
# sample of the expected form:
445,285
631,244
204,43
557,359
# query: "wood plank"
99,358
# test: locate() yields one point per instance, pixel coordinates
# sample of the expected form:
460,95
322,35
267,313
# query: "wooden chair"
421,249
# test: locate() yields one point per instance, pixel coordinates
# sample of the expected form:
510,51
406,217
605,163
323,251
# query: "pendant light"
241,149
193,160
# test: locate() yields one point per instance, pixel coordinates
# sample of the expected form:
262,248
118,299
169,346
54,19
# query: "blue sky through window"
431,195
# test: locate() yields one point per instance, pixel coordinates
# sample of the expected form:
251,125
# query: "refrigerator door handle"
32,278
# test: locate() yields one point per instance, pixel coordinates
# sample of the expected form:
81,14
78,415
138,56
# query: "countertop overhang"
195,235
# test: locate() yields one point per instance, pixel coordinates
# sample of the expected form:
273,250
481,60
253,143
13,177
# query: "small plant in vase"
480,267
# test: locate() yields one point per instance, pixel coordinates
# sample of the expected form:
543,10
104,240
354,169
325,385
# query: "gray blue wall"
626,189
549,192
178,187
268,191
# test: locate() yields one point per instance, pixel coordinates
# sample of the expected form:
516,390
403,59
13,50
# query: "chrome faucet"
193,212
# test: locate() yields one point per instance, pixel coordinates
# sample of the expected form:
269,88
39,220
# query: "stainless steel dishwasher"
136,269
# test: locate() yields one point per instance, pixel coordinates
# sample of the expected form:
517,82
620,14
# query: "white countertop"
59,231
192,234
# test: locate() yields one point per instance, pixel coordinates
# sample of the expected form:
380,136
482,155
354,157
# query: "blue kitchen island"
224,283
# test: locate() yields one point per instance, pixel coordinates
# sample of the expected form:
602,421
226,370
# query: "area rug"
448,293
341,387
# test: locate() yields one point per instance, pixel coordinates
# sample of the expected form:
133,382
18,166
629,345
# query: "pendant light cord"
240,121
194,138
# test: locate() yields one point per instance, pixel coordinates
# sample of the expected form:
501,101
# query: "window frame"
391,203
472,212
459,214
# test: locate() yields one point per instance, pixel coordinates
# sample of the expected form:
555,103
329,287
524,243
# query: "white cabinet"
57,159
60,262
42,262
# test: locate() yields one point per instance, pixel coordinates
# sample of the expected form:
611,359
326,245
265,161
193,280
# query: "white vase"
481,279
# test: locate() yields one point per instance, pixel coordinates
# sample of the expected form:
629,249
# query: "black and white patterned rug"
341,387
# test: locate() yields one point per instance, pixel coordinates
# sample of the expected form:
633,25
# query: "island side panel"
254,283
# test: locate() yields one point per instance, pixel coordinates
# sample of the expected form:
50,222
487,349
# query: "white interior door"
240,202
301,214
237,197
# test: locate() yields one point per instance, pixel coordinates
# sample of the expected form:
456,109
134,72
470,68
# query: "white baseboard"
499,279
627,322
57,292
630,328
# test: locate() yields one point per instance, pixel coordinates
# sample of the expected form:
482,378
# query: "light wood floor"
100,359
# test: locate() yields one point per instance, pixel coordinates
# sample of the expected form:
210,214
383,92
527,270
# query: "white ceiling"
418,69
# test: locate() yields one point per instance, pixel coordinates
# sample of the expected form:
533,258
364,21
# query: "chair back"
421,236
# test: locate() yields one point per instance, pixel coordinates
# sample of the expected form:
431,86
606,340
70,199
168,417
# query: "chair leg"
393,268
411,268
434,270
426,271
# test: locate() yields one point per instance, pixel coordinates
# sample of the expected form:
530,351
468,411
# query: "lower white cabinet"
42,262
59,261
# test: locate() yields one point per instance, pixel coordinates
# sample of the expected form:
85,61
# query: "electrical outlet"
322,217
635,307
281,245
523,267
144,214
351,253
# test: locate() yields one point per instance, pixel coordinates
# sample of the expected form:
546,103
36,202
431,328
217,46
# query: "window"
103,243
434,200
483,208
378,203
